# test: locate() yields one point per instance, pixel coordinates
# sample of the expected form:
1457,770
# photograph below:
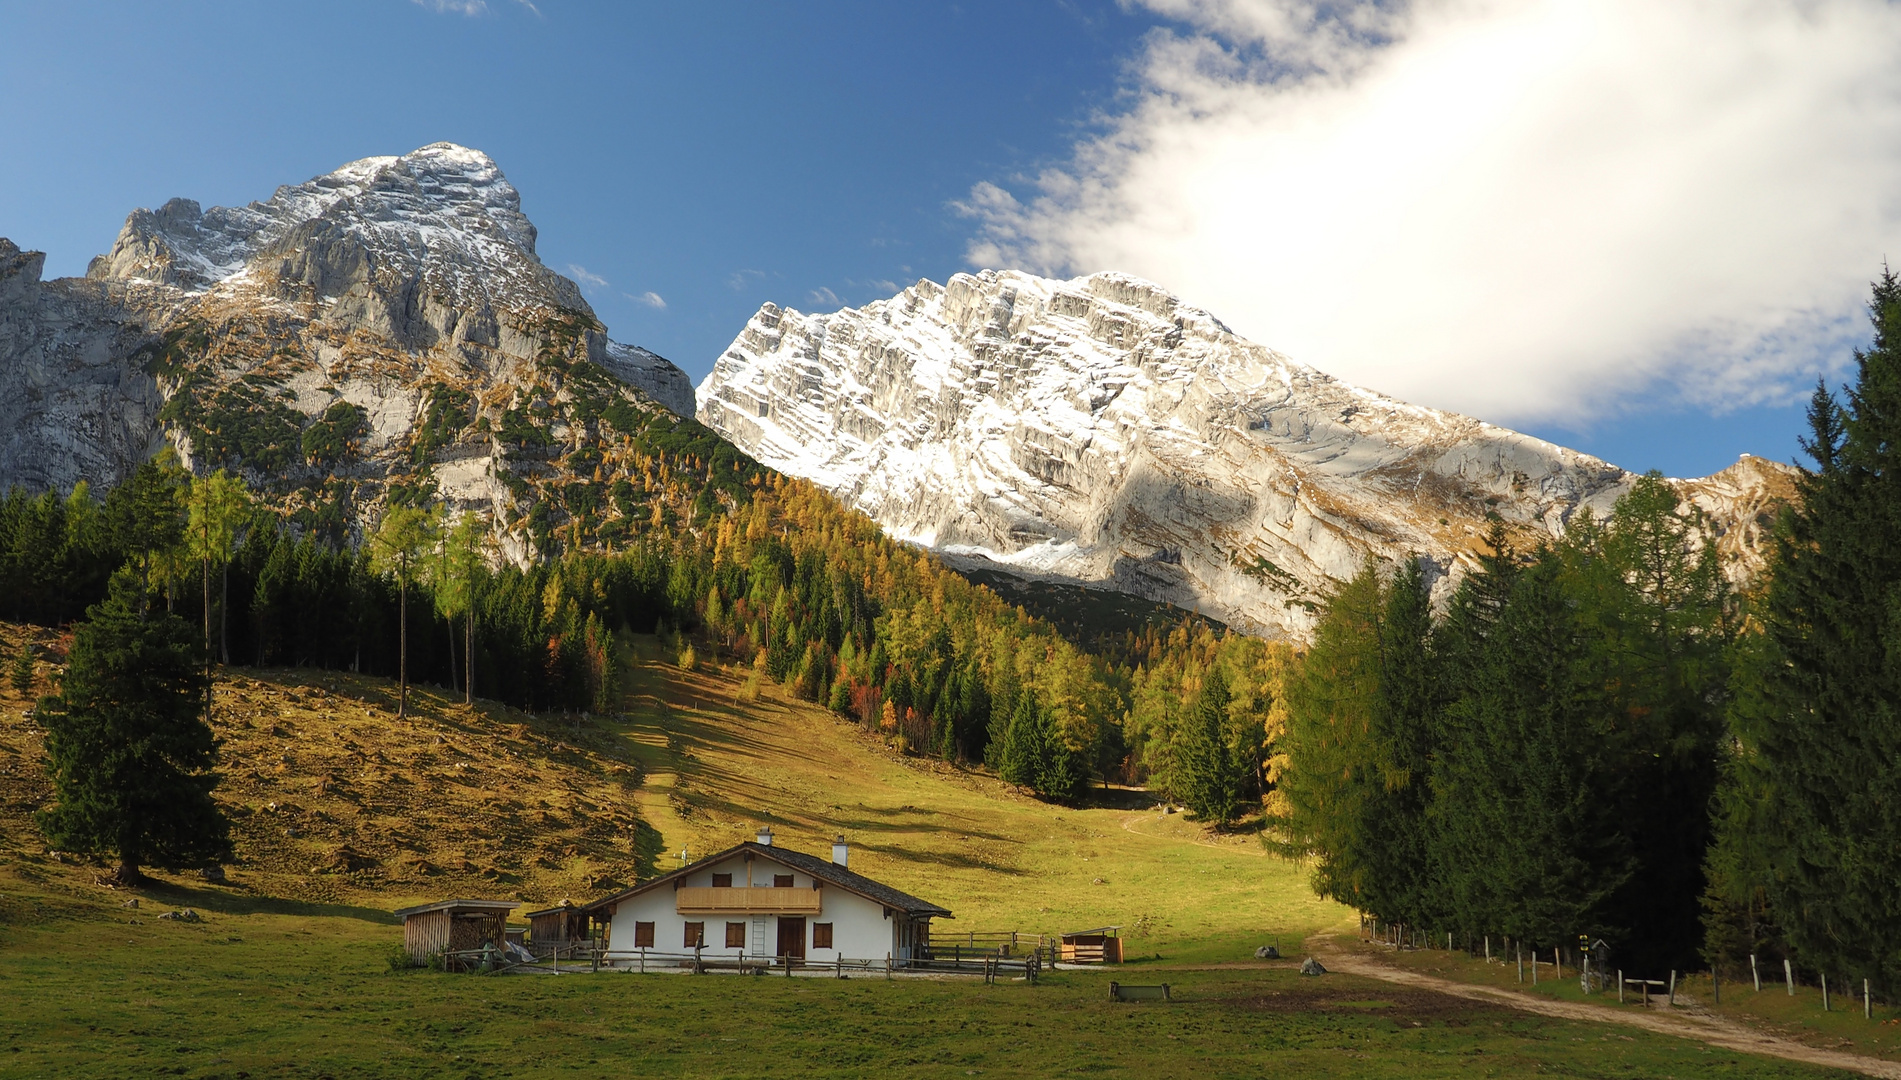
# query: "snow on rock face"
1100,431
425,247
654,374
371,284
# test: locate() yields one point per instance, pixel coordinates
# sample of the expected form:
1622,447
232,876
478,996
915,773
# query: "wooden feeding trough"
453,926
559,929
1098,946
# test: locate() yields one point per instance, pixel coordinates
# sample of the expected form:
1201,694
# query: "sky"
1642,229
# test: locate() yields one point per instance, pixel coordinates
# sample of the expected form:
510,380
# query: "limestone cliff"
1102,432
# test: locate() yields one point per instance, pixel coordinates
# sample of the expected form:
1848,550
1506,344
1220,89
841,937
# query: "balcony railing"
742,900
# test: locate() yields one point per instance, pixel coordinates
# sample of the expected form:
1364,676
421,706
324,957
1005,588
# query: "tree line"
1600,736
778,576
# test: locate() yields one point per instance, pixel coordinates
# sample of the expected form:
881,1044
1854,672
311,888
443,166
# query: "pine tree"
20,671
1818,714
131,758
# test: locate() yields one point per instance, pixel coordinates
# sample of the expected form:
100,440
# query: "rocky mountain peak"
417,247
383,330
1101,431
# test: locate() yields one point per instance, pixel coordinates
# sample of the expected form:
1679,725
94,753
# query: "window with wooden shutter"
643,935
722,881
735,935
821,935
695,935
782,881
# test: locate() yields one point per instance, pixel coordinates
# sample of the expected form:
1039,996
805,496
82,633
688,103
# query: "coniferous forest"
1602,738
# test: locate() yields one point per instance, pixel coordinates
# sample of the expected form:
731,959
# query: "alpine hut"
760,903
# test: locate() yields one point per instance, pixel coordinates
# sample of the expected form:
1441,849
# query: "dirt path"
1702,1026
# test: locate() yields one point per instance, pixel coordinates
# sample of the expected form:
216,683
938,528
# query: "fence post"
887,967
1673,986
1557,962
1788,976
1620,986
1716,984
1521,967
1867,1003
1755,975
1488,948
1824,991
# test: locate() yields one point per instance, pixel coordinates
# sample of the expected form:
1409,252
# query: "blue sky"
714,155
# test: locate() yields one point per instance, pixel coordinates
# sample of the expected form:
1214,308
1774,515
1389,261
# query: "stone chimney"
840,853
765,836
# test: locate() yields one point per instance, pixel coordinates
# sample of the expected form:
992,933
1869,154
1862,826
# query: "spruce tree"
131,758
1217,774
1405,719
20,672
1527,842
1818,713
1023,743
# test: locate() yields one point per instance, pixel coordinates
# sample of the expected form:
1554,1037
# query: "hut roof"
823,869
497,907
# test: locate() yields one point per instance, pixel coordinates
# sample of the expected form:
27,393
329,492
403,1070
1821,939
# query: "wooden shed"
560,927
453,926
1098,946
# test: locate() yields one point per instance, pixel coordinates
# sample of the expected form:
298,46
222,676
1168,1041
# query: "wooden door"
792,937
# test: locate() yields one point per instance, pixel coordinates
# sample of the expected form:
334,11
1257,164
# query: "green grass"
276,995
288,976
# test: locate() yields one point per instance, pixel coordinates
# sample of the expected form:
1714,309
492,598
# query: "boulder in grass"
1310,966
1267,952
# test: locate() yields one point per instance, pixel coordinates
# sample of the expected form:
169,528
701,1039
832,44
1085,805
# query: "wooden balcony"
741,900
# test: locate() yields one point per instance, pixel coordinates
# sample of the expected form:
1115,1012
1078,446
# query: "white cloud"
468,7
580,274
1532,211
826,297
456,7
739,279
651,299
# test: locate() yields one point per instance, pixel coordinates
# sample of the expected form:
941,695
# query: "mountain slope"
387,327
1101,431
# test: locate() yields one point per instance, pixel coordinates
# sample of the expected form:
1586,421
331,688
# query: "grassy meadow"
344,813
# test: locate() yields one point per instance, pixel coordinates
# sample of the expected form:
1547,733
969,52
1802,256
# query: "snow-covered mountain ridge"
391,295
1101,431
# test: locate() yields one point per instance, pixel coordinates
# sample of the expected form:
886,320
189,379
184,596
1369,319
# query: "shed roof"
823,869
565,905
493,907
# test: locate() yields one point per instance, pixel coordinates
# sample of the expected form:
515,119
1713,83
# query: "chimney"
840,853
765,836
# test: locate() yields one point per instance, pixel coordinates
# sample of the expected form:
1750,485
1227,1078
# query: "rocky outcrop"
1100,431
75,402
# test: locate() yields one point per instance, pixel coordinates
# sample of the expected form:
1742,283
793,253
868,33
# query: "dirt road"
1689,1024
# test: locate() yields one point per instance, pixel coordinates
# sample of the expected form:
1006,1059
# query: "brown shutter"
643,935
821,935
782,881
722,881
695,934
735,935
